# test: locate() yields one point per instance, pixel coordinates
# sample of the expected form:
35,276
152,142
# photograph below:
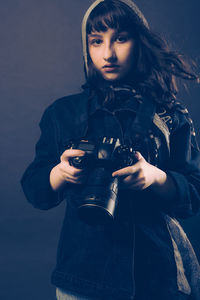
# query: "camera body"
99,196
105,152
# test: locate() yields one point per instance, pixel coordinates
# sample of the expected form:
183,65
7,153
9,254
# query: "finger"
71,180
77,172
130,180
67,168
130,169
71,153
72,172
126,171
138,186
138,155
80,179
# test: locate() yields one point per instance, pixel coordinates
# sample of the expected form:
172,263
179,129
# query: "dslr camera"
99,194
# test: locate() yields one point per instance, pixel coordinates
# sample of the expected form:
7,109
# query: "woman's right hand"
64,172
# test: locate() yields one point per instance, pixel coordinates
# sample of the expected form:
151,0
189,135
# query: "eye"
95,42
122,38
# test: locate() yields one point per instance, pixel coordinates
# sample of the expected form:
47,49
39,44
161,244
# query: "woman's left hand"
141,175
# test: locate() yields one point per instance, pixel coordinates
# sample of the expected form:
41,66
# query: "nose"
109,53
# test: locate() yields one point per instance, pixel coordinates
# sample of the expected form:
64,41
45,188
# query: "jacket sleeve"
35,181
184,167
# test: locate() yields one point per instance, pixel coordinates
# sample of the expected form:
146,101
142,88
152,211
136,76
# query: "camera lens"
99,198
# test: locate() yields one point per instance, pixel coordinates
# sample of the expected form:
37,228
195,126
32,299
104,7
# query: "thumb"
67,154
138,155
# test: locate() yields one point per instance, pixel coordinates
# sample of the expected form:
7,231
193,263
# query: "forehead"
108,32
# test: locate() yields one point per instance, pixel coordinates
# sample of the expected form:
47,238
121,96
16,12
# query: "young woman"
130,98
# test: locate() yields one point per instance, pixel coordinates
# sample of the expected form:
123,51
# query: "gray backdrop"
41,60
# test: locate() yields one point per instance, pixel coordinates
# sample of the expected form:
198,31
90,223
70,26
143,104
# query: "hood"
129,3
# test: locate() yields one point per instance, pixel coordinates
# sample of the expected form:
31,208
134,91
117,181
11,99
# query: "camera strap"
142,124
142,130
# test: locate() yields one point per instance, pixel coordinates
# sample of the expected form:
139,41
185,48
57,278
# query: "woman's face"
112,53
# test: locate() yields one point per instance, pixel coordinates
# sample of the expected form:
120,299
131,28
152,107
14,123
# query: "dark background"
40,61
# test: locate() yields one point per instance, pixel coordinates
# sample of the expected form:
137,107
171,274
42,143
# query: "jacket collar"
130,100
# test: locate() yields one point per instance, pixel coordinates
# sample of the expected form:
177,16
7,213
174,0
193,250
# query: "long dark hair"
156,67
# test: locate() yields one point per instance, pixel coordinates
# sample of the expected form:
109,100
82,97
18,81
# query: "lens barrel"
99,198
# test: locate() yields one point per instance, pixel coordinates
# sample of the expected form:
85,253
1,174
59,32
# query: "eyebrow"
94,35
100,34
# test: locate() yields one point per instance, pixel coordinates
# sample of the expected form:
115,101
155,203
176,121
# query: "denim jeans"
65,295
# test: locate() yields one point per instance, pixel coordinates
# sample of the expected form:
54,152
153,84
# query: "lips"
110,68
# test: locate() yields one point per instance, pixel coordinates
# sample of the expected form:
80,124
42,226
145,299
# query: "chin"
112,77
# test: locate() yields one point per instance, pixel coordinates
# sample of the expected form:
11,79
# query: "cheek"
123,54
127,53
130,54
94,56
